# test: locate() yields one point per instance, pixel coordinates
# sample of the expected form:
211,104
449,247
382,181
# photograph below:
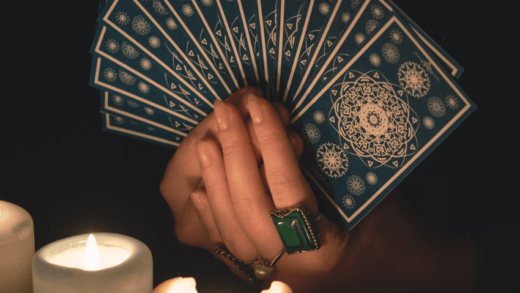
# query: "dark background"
72,178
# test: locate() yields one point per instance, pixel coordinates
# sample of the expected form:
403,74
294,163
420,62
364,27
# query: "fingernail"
221,113
204,155
255,109
197,201
293,142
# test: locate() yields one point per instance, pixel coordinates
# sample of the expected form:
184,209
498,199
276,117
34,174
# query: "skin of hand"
183,174
391,250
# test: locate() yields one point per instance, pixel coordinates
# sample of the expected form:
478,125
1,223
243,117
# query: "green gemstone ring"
297,229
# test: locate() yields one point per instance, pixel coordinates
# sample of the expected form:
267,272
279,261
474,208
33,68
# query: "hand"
391,250
183,174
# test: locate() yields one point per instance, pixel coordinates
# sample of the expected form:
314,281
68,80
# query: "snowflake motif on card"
207,3
355,3
141,26
112,46
129,51
143,87
348,202
345,17
374,59
414,79
452,102
318,117
359,38
122,18
377,12
154,42
187,10
324,8
371,26
373,119
396,37
428,122
356,185
159,8
171,24
132,104
311,133
149,111
371,178
436,107
110,74
117,100
145,64
391,53
126,78
119,120
332,160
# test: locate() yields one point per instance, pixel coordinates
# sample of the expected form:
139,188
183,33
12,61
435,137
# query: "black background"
72,178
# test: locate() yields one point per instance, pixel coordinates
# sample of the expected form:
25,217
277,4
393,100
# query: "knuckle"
272,139
231,149
281,184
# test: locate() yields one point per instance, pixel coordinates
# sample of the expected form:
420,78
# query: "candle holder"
125,265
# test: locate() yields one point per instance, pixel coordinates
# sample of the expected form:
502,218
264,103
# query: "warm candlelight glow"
88,255
3,214
92,254
278,287
182,285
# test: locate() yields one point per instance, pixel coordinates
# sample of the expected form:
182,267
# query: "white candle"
113,263
16,248
278,287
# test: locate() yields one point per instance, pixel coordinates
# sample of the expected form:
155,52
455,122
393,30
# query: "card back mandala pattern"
374,119
332,160
414,79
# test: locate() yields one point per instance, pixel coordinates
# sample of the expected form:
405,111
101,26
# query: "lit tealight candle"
100,262
16,248
278,287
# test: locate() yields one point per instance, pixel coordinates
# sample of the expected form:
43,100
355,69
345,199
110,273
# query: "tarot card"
116,78
314,21
249,19
339,18
377,118
118,104
169,47
447,61
233,25
295,21
268,11
365,23
132,128
264,37
204,19
112,46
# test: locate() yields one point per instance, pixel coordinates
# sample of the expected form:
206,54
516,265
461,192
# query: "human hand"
183,174
391,250
234,206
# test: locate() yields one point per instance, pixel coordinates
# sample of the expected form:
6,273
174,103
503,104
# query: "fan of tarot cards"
371,94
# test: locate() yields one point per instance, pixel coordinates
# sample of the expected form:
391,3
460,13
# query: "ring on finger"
256,271
298,229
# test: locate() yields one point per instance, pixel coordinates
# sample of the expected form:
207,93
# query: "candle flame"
278,287
92,254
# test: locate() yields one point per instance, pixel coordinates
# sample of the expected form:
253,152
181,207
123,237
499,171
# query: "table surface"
72,178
